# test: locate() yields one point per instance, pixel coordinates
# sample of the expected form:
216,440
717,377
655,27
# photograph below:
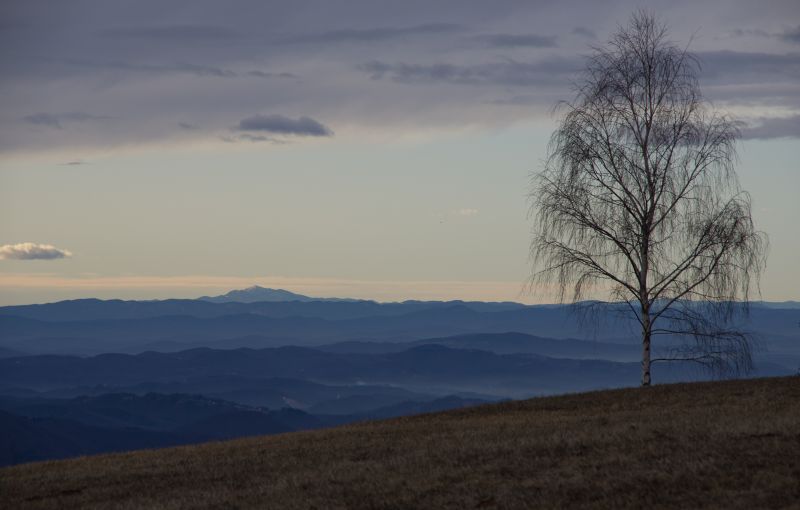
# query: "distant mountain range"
257,294
91,326
504,343
430,368
88,376
63,406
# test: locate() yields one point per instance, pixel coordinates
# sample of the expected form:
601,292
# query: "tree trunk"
646,349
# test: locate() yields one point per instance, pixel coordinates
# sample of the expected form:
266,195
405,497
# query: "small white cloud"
32,251
466,212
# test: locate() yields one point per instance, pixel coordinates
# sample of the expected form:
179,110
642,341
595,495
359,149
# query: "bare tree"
639,196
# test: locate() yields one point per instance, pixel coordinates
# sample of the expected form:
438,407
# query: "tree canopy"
639,196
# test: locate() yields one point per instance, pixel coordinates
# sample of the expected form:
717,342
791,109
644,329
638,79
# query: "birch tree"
639,195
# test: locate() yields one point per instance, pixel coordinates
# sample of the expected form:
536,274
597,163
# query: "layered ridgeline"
68,370
36,429
62,406
259,317
729,444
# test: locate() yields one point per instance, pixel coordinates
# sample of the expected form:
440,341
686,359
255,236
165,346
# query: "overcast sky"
374,149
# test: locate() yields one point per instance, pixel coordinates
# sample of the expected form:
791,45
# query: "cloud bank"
377,34
58,120
32,251
791,35
188,33
506,73
365,64
518,40
773,127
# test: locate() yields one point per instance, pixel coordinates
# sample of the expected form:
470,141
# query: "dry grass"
713,445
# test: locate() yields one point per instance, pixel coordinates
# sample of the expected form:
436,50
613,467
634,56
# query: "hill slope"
732,444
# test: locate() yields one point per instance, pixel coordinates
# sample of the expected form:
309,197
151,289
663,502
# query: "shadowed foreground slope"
732,444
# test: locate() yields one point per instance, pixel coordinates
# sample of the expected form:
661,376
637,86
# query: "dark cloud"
585,32
738,67
177,68
58,68
354,35
749,32
520,100
193,69
791,35
779,94
751,78
57,120
76,162
247,137
773,127
278,124
32,251
508,72
518,40
173,32
264,74
187,126
255,138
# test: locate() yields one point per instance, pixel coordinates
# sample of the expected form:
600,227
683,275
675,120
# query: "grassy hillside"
729,444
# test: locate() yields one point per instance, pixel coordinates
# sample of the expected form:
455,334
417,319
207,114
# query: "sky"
369,149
